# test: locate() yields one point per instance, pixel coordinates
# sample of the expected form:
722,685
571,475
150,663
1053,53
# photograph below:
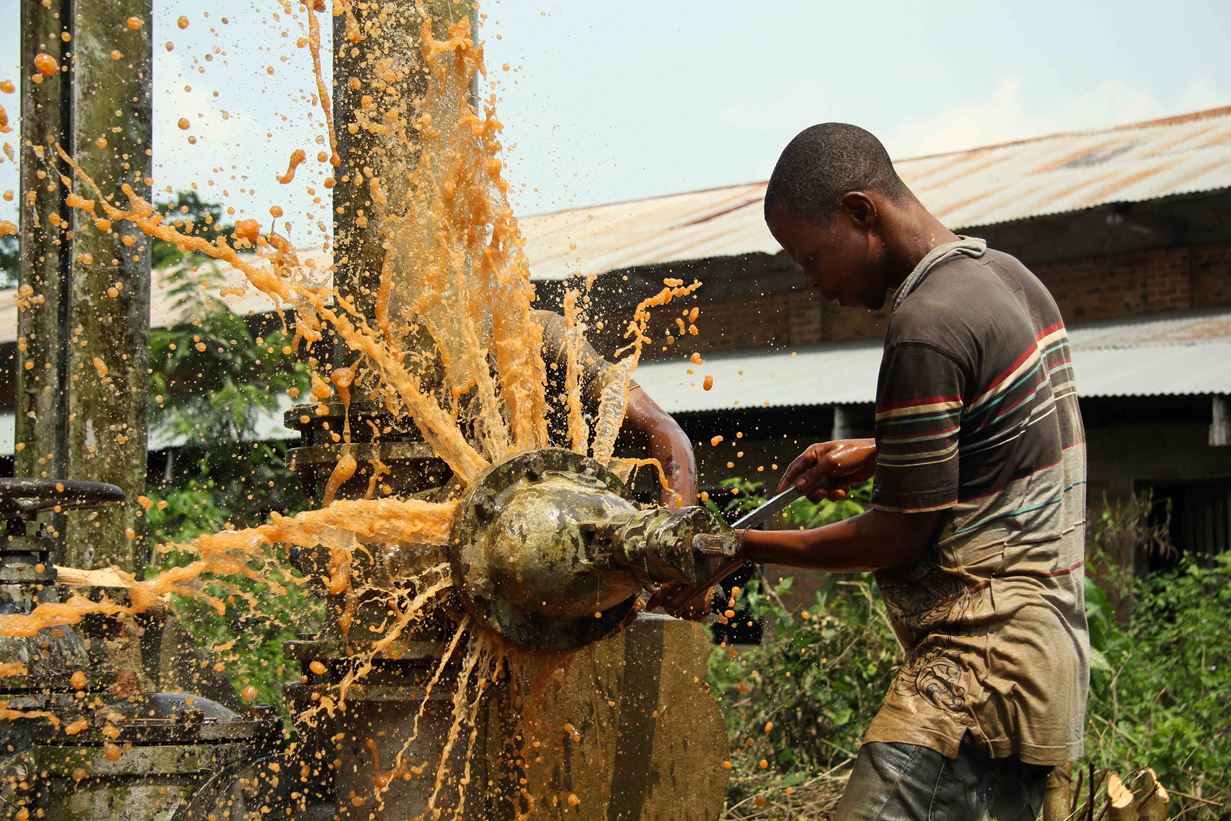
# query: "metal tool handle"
752,519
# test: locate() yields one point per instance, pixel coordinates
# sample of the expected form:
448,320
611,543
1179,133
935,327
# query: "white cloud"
999,118
1005,115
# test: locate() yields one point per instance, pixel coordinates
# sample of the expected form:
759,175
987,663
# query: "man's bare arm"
874,540
667,443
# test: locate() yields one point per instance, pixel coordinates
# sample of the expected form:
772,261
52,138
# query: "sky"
604,102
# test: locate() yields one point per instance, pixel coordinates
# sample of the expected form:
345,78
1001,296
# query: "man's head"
830,203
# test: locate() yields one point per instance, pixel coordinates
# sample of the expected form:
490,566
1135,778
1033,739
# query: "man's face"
840,255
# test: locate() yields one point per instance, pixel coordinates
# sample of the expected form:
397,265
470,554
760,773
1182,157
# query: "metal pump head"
548,550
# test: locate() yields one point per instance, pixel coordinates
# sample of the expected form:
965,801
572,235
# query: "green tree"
10,260
211,381
190,214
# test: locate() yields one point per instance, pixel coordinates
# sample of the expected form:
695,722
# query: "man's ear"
859,207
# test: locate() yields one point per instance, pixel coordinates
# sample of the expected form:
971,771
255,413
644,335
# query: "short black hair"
824,162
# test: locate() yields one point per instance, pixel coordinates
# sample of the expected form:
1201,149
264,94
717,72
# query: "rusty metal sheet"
1172,355
981,186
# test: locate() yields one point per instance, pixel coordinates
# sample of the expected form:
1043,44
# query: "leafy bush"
797,704
210,378
1160,698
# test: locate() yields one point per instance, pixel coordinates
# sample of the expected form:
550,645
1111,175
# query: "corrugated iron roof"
1176,355
981,186
997,183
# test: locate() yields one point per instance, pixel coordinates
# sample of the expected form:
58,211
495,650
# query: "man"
650,429
976,532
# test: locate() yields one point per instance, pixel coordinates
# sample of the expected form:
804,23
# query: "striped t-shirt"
977,416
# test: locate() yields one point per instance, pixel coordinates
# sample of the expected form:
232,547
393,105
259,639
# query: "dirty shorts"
905,782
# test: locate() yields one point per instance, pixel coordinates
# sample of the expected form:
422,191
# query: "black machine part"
28,576
549,551
25,498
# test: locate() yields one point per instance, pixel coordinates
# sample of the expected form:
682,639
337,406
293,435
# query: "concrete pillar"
87,368
388,36
1220,424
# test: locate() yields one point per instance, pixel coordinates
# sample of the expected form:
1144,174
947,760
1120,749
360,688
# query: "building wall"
1126,457
1140,282
1137,283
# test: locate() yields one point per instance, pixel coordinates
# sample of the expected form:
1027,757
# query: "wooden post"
91,327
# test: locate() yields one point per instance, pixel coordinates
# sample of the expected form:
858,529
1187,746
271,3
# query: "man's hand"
825,469
684,601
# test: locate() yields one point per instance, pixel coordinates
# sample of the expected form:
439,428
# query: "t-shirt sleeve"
919,401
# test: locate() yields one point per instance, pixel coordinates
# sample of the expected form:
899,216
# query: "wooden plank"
78,577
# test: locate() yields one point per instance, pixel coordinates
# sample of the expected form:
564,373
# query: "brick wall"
1211,271
1095,288
1142,282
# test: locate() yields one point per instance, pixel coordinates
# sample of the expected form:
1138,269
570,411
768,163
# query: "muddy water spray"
454,280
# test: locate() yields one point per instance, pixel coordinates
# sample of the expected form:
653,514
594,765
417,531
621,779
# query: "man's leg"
1018,791
901,782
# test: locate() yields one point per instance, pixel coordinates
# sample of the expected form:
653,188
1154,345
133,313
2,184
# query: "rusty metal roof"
981,186
1169,355
997,183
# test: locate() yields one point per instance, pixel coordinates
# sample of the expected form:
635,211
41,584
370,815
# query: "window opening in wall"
1200,518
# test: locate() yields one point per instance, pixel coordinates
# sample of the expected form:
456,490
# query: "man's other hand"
825,469
684,601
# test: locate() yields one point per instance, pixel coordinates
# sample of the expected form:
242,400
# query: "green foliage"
210,380
747,495
10,260
1161,671
819,676
190,214
1160,697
